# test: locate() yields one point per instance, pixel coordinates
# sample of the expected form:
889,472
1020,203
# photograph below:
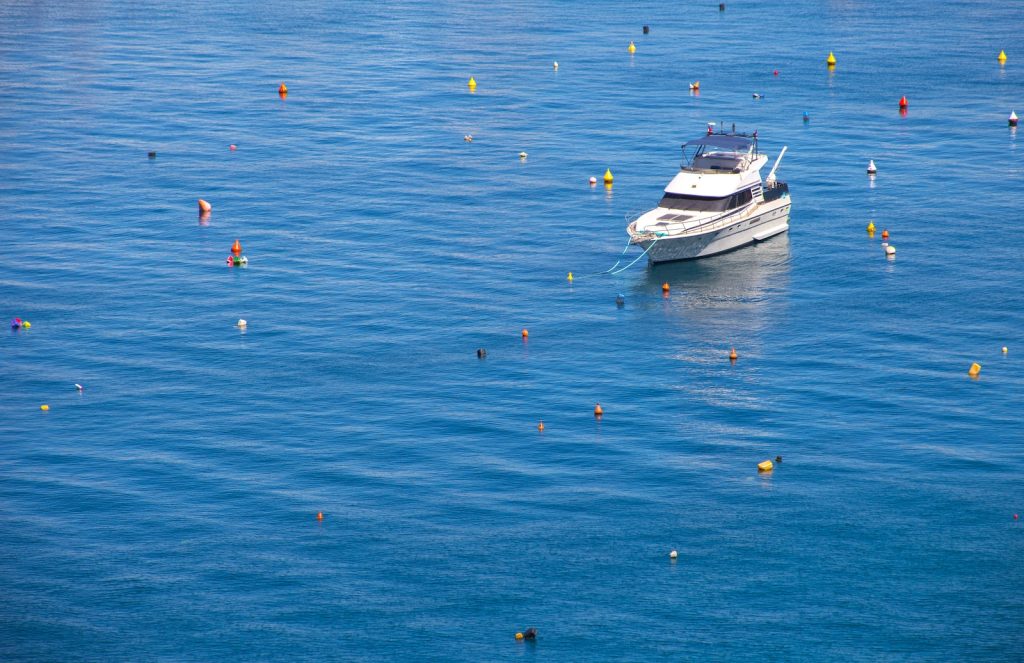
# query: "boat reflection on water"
725,300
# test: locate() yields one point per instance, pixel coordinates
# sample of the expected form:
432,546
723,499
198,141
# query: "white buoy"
522,155
468,138
555,65
871,167
1013,118
673,555
79,387
593,180
241,323
890,250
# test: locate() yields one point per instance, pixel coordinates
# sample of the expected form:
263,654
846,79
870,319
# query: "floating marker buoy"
471,83
481,353
758,96
593,181
44,407
526,334
632,47
665,287
540,426
519,636
242,323
775,72
871,227
673,554
885,234
608,176
647,29
555,65
903,102
598,410
283,89
79,387
25,324
1015,516
1002,57
732,355
890,250
974,370
695,86
468,138
152,155
232,147
1005,350
871,167
569,277
236,248
523,155
16,323
1013,118
620,301
831,61
204,207
765,466
319,515
807,117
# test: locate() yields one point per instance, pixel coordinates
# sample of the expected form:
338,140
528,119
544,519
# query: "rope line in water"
612,271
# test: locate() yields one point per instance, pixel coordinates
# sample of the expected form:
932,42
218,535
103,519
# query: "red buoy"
236,248
903,102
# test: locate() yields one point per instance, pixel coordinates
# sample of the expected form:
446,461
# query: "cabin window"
682,201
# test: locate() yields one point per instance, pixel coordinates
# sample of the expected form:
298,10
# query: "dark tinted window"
682,201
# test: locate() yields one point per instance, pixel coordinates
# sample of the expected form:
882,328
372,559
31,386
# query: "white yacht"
715,203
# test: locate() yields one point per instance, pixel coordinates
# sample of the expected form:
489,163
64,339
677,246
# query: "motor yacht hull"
768,220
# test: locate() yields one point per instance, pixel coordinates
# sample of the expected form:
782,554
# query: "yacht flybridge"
715,203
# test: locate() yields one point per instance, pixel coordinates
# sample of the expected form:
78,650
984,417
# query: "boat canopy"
726,142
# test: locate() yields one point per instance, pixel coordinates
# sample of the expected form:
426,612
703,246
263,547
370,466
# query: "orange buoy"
665,287
598,411
204,206
319,515
283,90
903,102
540,426
526,334
885,234
733,356
236,248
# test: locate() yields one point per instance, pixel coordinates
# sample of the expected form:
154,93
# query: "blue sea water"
167,512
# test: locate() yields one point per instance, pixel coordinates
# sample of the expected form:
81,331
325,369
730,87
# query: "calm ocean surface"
168,512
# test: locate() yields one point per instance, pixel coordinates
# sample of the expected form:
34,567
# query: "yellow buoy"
570,277
608,176
974,370
1005,349
1002,56
25,324
632,47
472,83
519,636
871,226
831,61
44,407
765,466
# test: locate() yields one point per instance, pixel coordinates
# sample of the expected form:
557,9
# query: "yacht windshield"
682,201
